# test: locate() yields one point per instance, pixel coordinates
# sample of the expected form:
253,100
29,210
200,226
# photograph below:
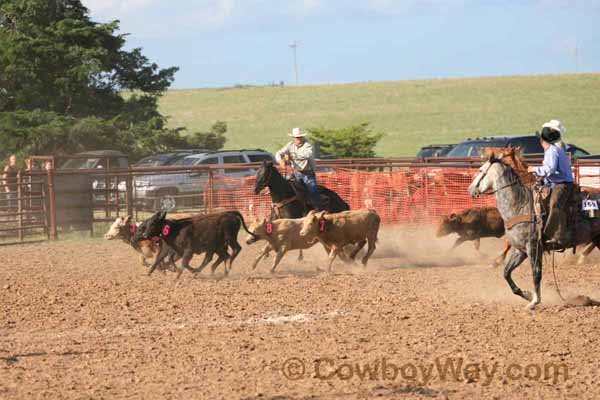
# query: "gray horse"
515,204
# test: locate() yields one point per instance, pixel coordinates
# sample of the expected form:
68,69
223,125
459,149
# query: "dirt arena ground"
80,319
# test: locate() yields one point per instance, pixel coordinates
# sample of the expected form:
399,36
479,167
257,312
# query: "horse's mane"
511,156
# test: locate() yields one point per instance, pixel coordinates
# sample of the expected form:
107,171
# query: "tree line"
62,84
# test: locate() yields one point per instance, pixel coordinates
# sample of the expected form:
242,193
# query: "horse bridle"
513,182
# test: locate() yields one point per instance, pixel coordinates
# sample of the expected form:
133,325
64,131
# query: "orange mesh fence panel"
589,176
410,195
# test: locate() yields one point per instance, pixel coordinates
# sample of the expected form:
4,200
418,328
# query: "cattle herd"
162,241
181,236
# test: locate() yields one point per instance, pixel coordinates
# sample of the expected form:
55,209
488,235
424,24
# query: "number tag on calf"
132,228
269,228
322,225
589,205
166,230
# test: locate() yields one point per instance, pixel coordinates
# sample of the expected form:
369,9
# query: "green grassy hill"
411,113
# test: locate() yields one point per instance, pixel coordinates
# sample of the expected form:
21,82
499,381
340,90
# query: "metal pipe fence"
52,202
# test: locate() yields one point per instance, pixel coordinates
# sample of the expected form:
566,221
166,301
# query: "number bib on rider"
589,205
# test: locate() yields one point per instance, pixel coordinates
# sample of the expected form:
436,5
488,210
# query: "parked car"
95,159
157,160
98,159
529,144
435,150
170,191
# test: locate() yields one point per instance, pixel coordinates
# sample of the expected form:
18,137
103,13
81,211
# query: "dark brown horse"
288,197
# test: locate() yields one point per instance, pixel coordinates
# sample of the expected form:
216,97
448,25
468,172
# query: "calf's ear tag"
166,230
322,225
132,228
269,228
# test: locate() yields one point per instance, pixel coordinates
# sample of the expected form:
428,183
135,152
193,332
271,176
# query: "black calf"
208,234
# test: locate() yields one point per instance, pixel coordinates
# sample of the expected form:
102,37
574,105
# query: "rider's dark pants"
556,224
310,181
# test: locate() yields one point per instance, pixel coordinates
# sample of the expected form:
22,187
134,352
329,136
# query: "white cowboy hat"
556,125
297,132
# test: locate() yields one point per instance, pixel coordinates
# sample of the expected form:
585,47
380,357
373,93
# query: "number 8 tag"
269,228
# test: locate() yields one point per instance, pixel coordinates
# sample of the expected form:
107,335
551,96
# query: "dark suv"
529,144
435,150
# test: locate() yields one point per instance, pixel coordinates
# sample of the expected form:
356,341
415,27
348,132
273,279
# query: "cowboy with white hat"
299,154
556,171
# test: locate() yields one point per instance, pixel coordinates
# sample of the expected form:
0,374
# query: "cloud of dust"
418,246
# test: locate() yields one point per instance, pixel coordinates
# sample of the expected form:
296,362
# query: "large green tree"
55,58
355,141
62,77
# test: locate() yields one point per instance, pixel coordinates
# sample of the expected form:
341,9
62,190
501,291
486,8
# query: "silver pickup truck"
169,191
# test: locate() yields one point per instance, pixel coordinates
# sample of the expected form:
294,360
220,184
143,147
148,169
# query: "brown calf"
282,235
473,224
338,230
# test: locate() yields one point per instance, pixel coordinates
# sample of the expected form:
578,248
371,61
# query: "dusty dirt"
82,320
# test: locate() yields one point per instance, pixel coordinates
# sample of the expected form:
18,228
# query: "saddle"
302,193
575,211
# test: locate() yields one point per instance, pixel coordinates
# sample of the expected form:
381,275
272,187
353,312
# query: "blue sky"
228,42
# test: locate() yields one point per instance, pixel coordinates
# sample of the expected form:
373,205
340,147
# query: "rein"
279,205
513,182
500,188
518,219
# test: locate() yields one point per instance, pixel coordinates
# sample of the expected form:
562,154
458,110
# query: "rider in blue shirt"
556,171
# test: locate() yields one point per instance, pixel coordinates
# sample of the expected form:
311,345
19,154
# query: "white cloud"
169,18
213,15
311,5
403,6
165,17
114,8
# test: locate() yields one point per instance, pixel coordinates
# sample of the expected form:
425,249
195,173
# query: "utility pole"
576,57
294,45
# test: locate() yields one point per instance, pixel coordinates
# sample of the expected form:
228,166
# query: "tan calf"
282,235
335,231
